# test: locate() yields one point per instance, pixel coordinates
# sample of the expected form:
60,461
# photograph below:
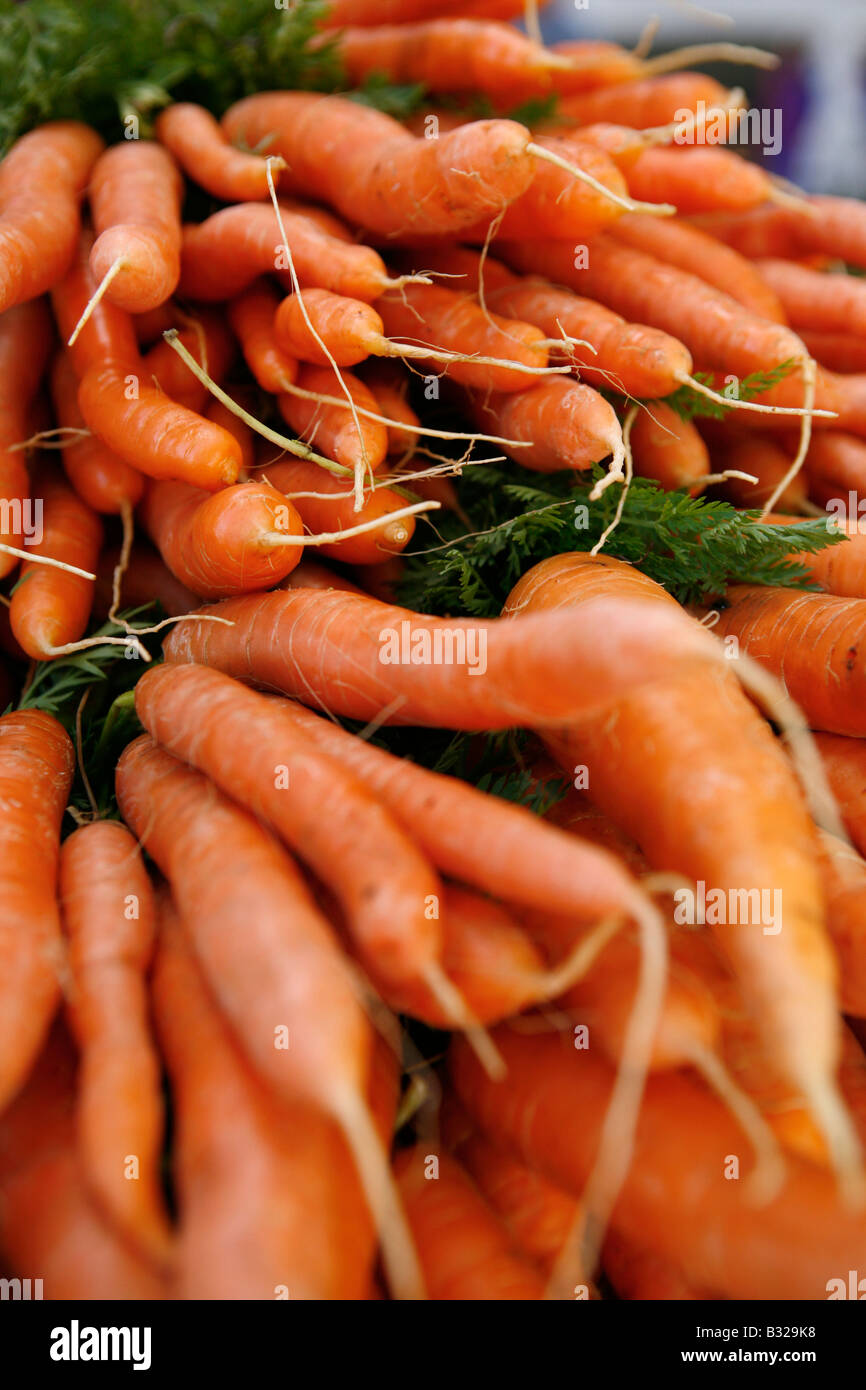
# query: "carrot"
851,390
702,178
811,641
251,316
464,1250
389,385
765,841
331,429
270,978
834,227
103,481
212,345
108,916
270,1202
330,652
624,145
221,415
844,762
667,448
192,135
640,1274
135,195
25,342
652,101
309,574
51,607
49,1222
42,180
549,1112
36,765
564,423
146,581
836,467
688,248
223,255
594,64
763,459
385,179
351,329
844,876
839,352
149,327
222,543
839,569
332,510
107,334
815,300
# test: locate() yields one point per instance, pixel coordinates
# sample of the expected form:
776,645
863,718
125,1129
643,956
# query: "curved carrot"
42,180
36,766
108,916
464,1250
252,316
667,448
333,509
564,423
51,607
702,178
351,329
222,543
194,137
25,342
385,179
331,429
135,195
103,481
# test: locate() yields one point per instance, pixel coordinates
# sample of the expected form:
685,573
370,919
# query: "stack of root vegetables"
606,1094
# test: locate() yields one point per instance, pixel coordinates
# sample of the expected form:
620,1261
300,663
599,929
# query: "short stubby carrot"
105,482
194,137
668,449
465,1251
109,922
563,423
51,606
332,429
385,179
25,343
224,254
350,329
135,194
357,657
332,509
36,766
228,542
42,181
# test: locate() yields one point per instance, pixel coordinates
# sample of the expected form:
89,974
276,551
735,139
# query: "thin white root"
112,272
46,560
420,350
397,282
269,538
643,47
800,411
454,1006
122,565
51,439
734,100
532,22
628,204
768,1174
575,965
712,479
579,1255
710,53
400,1258
129,641
810,373
626,481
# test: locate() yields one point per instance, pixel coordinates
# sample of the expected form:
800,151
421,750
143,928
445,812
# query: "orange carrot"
385,179
812,299
135,194
840,352
103,481
42,180
331,429
309,574
702,178
351,329
36,766
652,101
640,1274
194,137
234,425
835,467
212,345
108,916
146,580
844,877
564,423
334,510
667,448
839,569
51,607
25,342
844,762
227,542
464,1250
251,315
389,385
763,459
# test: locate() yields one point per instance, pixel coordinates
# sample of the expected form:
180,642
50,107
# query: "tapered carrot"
271,977
36,765
811,642
212,345
224,254
194,137
836,468
676,788
51,606
564,424
25,342
653,101
227,542
464,1250
269,1204
105,482
549,1111
351,329
353,656
49,1221
840,352
385,179
135,194
251,315
703,178
332,429
42,180
108,917
688,248
814,300
333,510
667,448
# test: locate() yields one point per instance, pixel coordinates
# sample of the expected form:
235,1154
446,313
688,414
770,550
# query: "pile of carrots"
305,1019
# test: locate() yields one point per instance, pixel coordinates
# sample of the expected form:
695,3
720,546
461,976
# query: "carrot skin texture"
25,342
42,180
813,299
350,329
667,448
50,606
120,1110
838,352
103,481
835,467
135,195
36,766
336,512
704,178
194,137
251,315
464,1250
564,423
285,641
212,345
548,1111
330,429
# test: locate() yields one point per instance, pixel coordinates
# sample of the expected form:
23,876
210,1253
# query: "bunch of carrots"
297,1016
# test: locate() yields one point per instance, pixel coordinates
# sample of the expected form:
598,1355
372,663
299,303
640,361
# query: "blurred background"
820,87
